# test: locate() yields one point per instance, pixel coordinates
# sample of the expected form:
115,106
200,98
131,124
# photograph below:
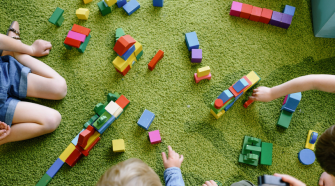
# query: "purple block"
236,9
76,36
196,55
286,21
276,18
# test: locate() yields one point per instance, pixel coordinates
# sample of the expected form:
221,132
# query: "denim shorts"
13,86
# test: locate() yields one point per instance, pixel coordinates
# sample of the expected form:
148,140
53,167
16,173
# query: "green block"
99,123
56,15
253,140
60,21
253,148
247,142
284,119
103,9
84,44
111,97
102,120
249,162
323,18
99,109
266,154
89,122
224,106
44,180
67,46
117,95
139,55
251,157
118,33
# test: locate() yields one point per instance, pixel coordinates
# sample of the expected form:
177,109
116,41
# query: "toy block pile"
192,43
290,103
255,151
158,3
263,15
145,121
202,73
152,64
307,156
57,17
129,7
77,37
228,97
82,13
89,136
267,180
128,50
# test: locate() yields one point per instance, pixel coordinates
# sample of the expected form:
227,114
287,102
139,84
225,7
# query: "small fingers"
164,157
181,159
213,183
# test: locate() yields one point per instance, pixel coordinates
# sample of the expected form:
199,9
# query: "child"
24,76
325,146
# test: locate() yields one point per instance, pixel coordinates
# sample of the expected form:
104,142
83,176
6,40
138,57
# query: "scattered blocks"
55,168
146,119
204,71
276,18
256,14
103,8
44,180
57,17
236,9
192,41
196,55
110,2
121,3
66,153
284,119
289,10
158,3
266,153
82,13
247,103
81,29
87,1
306,156
198,79
155,137
267,180
123,44
118,145
152,64
131,7
246,11
311,139
292,102
266,16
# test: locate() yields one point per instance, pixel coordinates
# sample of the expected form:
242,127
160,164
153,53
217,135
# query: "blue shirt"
173,177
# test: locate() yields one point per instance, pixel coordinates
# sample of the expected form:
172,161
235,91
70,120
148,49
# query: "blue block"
128,53
225,96
231,104
192,41
306,156
131,6
55,168
75,140
146,119
240,85
289,10
158,3
121,3
106,125
313,137
292,102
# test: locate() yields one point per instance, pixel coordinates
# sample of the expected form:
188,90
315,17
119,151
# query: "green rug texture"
232,47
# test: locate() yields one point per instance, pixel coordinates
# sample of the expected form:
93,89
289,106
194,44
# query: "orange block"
125,70
87,151
266,16
218,103
81,29
233,91
122,101
246,11
85,135
255,14
74,157
247,103
123,44
72,42
155,59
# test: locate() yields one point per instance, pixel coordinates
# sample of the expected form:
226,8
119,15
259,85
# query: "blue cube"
55,168
289,10
128,53
191,41
240,85
131,6
121,3
225,96
158,3
292,102
146,119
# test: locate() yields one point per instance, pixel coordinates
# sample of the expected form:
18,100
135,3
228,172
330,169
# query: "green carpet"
232,47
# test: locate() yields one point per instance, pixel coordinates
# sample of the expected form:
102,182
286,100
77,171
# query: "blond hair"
132,172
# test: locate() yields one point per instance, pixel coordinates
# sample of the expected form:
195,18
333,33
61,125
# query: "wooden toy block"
204,71
247,156
225,96
240,85
91,140
106,125
285,99
234,92
118,145
255,14
117,112
98,124
66,153
76,36
112,107
82,13
122,102
57,16
276,18
251,141
44,180
266,153
267,180
103,8
131,7
306,156
119,33
253,148
67,46
86,152
286,21
72,42
81,29
311,139
197,79
231,104
155,137
123,44
125,70
146,119
284,119
75,140
110,2
131,60
289,10
292,102
236,9
85,135
158,3
55,167
83,46
196,55
218,103
246,11
152,64
128,53
87,1
74,157
247,103
120,64
266,16
253,77
249,83
111,97
218,115
215,110
139,55
138,48
121,3
99,109
192,41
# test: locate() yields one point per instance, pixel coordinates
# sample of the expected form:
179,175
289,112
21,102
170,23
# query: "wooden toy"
232,103
239,87
198,79
266,16
131,7
112,107
146,119
269,180
284,119
121,3
66,153
266,153
123,102
251,150
81,29
236,9
286,21
106,125
246,11
306,156
311,139
74,157
76,36
196,55
83,46
119,33
292,102
85,135
123,44
82,13
215,110
44,180
125,71
117,112
103,8
323,18
101,120
57,17
225,96
99,109
75,140
128,53
247,103
158,3
91,140
87,151
112,97
253,78
72,42
289,10
120,64
55,167
118,145
276,18
192,41
110,2
255,14
204,71
218,103
152,64
87,1
217,115
155,137
138,48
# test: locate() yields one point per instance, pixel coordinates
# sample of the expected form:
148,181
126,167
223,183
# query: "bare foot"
326,179
11,34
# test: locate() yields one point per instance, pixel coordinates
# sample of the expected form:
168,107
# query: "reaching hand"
291,180
262,94
40,48
174,160
4,130
210,183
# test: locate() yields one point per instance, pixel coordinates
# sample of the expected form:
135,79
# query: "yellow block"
82,13
217,116
66,153
92,139
204,71
110,2
118,145
87,1
120,64
131,59
138,48
308,145
253,77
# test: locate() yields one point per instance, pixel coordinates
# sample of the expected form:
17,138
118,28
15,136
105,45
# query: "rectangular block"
152,64
276,18
44,180
240,85
284,119
87,1
155,137
256,14
122,102
72,42
92,139
121,3
158,3
66,153
74,157
236,9
146,119
106,125
266,153
139,55
55,168
198,79
131,7
83,46
60,21
247,103
118,145
82,13
81,29
120,64
98,124
218,115
192,41
266,16
87,151
85,135
138,48
196,55
308,145
128,53
253,77
110,2
123,44
286,21
246,11
204,71
75,140
225,96
103,8
56,15
76,36
289,10
292,102
249,84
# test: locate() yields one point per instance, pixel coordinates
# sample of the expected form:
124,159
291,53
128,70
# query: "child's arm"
321,82
38,48
172,164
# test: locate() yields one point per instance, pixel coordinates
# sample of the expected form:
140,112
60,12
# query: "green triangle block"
103,9
118,33
284,119
44,180
83,46
56,15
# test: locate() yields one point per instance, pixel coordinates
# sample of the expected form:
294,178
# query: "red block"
72,42
255,14
74,157
247,103
233,91
218,103
123,44
266,16
122,101
246,11
198,79
86,152
85,135
155,59
81,29
126,70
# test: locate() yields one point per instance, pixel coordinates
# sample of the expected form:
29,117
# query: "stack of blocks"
130,7
202,73
77,37
307,156
83,143
192,43
228,97
82,13
263,15
145,121
290,103
57,17
255,151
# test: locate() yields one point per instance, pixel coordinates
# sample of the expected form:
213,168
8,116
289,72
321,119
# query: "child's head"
128,173
325,150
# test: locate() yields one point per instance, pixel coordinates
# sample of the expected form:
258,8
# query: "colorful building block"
256,14
120,64
74,157
240,85
56,17
123,102
91,140
112,97
119,33
311,139
55,167
266,16
118,145
123,44
110,2
87,151
99,109
247,103
152,64
112,107
128,53
246,11
72,42
196,55
276,18
106,125
225,96
98,124
284,119
253,78
44,180
286,21
76,36
218,115
218,103
82,13
235,9
192,41
131,7
138,48
103,8
204,71
85,135
81,29
75,140
248,156
215,110
306,156
87,1
232,103
83,46
155,137
266,153
139,55
198,79
158,3
292,102
323,18
66,153
121,3
267,180
289,10
125,71
285,99
146,119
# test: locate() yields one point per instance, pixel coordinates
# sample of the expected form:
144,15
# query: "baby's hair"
325,150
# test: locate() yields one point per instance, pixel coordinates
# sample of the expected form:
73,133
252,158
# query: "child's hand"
40,48
262,94
291,180
210,183
4,130
174,160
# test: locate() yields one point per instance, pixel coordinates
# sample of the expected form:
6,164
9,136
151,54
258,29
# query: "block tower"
290,103
77,37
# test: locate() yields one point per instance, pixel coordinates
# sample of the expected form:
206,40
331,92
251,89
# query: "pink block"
236,9
76,36
155,137
197,79
285,100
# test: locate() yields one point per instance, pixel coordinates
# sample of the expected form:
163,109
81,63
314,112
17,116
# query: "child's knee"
61,89
52,120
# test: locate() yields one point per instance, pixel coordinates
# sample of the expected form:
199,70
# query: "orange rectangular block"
74,157
81,29
123,44
155,59
255,14
246,11
247,103
122,101
125,70
266,16
85,135
72,42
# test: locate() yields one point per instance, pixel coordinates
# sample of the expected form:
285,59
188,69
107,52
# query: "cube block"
204,71
118,145
110,2
155,137
82,13
266,16
292,102
286,21
196,55
192,41
122,102
146,119
256,14
289,10
276,18
225,96
131,7
246,11
236,9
